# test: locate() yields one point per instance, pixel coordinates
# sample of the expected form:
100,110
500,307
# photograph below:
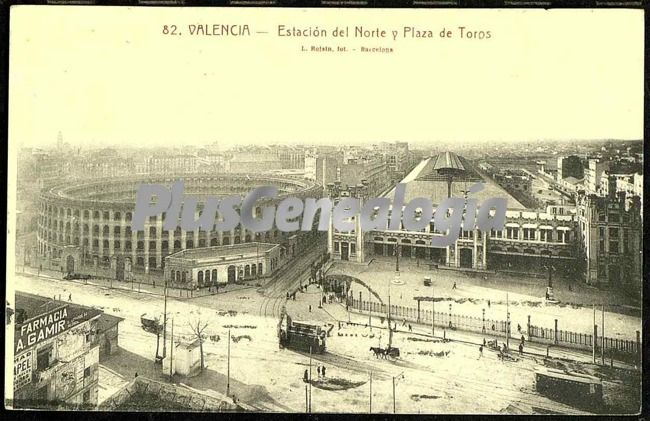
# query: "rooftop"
223,251
429,179
107,321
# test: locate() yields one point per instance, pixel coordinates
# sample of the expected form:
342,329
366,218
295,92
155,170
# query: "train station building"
572,239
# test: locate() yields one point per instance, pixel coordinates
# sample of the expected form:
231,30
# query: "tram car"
302,335
579,390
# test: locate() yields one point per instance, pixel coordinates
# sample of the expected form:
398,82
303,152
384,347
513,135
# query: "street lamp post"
400,375
433,312
228,382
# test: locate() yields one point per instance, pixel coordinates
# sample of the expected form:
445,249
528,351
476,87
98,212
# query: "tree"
198,327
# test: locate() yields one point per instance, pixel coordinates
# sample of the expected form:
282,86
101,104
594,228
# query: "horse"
379,352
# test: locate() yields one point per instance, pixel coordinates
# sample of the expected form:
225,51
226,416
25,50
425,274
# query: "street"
441,377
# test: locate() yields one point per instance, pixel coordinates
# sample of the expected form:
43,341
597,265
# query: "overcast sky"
109,76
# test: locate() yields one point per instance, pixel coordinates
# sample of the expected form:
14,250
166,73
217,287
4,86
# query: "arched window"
214,276
200,278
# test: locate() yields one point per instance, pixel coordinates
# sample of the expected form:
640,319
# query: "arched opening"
119,268
69,264
231,273
247,271
199,278
214,276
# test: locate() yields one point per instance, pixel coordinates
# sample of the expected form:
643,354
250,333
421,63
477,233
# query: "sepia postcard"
325,210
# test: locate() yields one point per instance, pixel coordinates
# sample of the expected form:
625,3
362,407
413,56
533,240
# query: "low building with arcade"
207,266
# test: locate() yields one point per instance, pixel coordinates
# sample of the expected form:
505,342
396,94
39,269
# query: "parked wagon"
151,323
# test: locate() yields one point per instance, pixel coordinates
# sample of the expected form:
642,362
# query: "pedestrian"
521,348
518,327
136,375
305,377
454,287
484,343
522,339
323,371
154,283
70,297
488,303
410,328
480,352
310,308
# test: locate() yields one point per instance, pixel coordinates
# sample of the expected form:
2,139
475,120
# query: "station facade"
571,240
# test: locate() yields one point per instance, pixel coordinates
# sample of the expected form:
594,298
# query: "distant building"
56,353
610,230
569,166
170,164
594,174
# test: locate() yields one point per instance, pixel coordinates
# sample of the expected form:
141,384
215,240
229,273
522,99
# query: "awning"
564,229
529,226
512,224
545,227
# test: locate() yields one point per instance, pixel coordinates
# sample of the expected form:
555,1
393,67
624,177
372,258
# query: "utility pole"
309,379
369,309
228,383
394,411
165,321
507,323
602,334
593,350
370,411
433,312
171,353
390,328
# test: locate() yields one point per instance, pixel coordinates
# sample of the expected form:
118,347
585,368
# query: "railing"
628,350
